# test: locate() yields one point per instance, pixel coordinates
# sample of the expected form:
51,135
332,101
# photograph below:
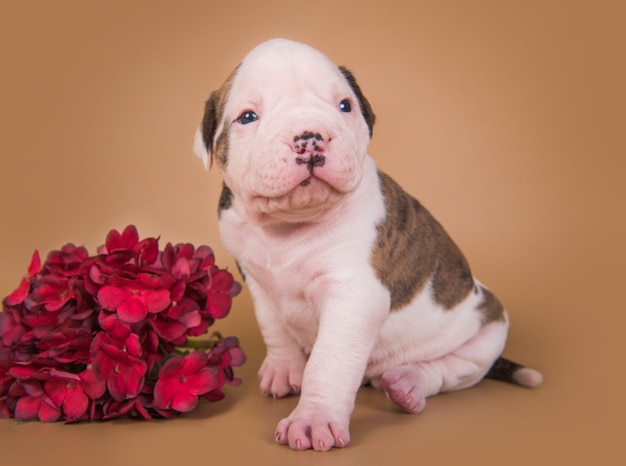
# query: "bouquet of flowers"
97,337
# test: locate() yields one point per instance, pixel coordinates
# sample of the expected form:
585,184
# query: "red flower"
65,345
67,261
182,380
127,240
133,299
122,247
219,298
120,364
30,408
32,401
71,392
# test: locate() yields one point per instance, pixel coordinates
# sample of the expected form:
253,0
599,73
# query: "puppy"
353,280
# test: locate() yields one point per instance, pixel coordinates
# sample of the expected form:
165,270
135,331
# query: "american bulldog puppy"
353,280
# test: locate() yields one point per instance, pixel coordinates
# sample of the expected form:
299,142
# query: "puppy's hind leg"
408,386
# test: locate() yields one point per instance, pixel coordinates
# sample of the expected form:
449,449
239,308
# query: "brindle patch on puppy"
410,245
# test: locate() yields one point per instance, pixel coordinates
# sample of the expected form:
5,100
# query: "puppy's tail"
508,371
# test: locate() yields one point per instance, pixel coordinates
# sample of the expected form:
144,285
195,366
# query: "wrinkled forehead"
288,67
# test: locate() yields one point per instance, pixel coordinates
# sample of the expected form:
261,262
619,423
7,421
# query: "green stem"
213,340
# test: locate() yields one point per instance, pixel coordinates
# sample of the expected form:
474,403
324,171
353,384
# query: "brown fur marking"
504,370
490,308
222,146
226,199
213,114
364,105
412,248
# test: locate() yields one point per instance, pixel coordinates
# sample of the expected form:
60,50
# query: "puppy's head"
289,131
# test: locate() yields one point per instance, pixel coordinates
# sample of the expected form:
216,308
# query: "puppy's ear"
203,141
366,108
201,150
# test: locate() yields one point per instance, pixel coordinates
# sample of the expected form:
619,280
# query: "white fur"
306,254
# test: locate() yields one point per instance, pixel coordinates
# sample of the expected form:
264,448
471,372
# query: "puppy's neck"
287,223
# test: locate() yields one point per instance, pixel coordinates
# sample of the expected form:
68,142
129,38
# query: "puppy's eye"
345,106
247,117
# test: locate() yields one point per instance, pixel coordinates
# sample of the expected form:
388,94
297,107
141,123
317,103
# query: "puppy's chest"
287,285
289,275
294,276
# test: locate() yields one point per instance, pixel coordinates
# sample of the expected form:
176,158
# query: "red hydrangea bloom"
119,362
31,401
133,299
66,261
40,407
71,392
97,337
182,380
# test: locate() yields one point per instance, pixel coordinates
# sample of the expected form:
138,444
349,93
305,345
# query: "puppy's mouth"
305,200
316,160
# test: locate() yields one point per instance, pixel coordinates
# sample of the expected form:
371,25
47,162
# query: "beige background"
505,118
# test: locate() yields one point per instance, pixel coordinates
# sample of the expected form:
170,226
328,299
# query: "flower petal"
32,387
157,301
202,382
102,365
126,384
218,304
5,412
93,387
114,326
149,250
177,291
195,361
76,403
48,413
222,280
112,241
163,394
132,310
110,297
191,319
132,345
19,295
184,402
27,408
22,372
238,357
141,410
57,390
181,268
35,264
172,367
168,331
130,237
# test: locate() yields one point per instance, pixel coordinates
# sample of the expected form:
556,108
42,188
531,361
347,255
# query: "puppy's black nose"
309,144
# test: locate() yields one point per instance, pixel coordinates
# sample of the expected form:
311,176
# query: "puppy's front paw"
316,428
282,378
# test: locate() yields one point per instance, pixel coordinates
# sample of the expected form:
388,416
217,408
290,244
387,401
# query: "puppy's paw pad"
401,386
312,432
279,380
